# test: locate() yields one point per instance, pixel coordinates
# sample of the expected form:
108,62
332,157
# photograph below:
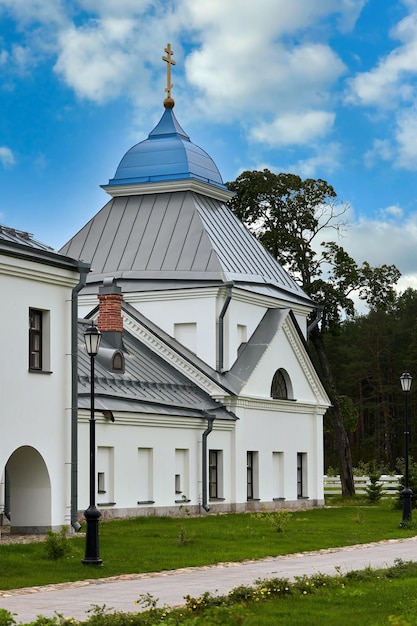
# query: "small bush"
6,618
332,471
279,519
374,491
57,544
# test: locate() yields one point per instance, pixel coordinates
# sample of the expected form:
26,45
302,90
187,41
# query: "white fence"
389,484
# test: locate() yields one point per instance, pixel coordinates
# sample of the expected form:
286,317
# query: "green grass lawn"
151,544
369,597
375,602
144,544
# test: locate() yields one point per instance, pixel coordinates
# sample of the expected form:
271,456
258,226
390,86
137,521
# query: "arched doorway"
28,492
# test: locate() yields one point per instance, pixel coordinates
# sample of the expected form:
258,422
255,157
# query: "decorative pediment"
277,344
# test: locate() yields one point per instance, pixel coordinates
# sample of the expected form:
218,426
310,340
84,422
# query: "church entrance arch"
28,492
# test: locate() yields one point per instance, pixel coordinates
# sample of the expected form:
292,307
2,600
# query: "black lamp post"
92,338
406,380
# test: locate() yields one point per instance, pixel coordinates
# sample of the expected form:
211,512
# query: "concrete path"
119,594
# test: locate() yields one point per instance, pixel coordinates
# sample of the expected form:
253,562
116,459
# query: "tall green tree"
288,214
369,353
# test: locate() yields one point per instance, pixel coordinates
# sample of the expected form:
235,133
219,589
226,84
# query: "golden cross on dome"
170,61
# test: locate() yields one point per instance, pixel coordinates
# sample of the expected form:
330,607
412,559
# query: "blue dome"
167,154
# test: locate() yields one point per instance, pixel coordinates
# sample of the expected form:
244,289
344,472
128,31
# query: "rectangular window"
35,339
39,340
252,475
101,482
181,473
301,475
105,474
215,474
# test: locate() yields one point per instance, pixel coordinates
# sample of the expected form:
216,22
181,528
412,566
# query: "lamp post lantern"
92,338
406,494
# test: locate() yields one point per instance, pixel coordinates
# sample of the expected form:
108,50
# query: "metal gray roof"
252,352
186,354
254,349
20,244
182,236
148,385
12,235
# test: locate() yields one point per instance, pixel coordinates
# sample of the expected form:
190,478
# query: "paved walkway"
120,593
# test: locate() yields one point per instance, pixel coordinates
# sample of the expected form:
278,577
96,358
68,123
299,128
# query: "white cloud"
237,57
382,149
236,61
326,158
391,81
407,281
38,11
406,134
384,241
390,88
294,128
6,156
117,8
388,239
242,61
393,211
93,60
349,13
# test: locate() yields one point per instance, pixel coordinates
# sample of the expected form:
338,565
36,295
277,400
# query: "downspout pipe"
316,321
84,269
221,325
210,420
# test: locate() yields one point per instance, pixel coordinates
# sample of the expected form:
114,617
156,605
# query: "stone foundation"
181,510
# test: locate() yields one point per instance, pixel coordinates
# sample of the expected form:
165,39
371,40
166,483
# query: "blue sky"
322,89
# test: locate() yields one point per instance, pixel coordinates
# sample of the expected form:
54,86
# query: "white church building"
205,393
39,307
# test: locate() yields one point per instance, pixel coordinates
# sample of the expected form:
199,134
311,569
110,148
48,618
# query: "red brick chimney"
110,307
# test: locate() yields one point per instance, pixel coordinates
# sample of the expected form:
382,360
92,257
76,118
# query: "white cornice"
155,420
35,272
171,294
172,357
271,302
239,295
277,406
170,186
305,363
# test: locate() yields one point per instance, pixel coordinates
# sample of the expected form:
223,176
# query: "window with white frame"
281,386
215,474
105,474
39,357
252,475
181,473
302,475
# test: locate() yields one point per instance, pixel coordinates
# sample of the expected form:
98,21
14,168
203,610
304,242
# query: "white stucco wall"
36,406
277,431
285,429
163,436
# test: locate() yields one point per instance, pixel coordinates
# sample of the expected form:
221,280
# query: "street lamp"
92,338
406,494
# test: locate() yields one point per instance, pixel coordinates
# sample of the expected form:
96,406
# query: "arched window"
118,362
279,389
